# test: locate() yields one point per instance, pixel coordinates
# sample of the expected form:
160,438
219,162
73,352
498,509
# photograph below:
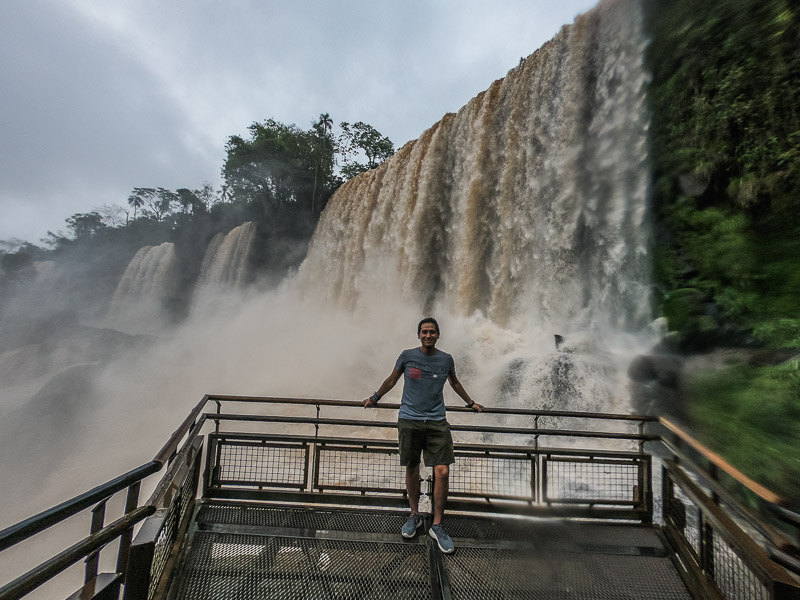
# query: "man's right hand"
368,403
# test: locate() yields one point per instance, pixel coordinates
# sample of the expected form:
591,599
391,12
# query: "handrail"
172,443
453,427
63,560
45,519
52,516
787,516
384,443
715,515
777,538
489,410
195,420
165,482
715,459
37,523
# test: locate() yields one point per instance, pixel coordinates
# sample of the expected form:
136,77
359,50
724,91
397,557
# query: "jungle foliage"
725,149
726,157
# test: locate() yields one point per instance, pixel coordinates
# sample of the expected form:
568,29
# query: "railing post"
543,472
714,473
207,471
641,432
131,504
648,498
93,560
707,546
140,559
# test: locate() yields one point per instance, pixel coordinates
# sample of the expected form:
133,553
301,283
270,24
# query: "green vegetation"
361,138
751,415
280,177
726,158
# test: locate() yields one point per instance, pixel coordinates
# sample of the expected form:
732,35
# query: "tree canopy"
279,176
362,138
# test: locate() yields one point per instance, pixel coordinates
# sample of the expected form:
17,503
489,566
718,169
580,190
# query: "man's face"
428,335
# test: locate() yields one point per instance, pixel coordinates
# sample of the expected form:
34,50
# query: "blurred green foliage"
725,149
726,157
751,415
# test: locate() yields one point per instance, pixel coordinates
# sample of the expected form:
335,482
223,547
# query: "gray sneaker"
412,526
443,540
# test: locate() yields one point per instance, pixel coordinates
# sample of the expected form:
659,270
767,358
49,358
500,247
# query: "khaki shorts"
432,438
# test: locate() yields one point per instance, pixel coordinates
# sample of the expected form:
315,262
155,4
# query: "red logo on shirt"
414,373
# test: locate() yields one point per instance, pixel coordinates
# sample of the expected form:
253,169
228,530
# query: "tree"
113,215
362,137
188,200
324,151
157,202
85,225
284,170
324,123
207,197
136,201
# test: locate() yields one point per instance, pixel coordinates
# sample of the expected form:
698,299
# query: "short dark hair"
428,320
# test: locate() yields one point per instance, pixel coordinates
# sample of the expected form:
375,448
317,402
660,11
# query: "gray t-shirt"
423,381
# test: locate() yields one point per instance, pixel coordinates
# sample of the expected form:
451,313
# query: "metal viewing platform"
304,498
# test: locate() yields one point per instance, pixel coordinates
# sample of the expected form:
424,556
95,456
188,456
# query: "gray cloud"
100,97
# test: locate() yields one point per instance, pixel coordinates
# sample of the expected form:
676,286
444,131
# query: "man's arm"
387,385
459,389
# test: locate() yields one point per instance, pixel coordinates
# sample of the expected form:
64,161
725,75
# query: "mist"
509,225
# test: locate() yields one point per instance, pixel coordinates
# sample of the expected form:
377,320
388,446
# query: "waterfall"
148,281
226,263
522,216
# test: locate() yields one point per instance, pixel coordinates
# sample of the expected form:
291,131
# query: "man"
421,424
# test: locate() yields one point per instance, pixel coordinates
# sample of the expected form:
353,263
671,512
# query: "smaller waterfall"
148,281
226,263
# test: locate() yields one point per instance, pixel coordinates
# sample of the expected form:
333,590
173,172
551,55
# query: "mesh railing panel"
720,562
685,515
234,567
733,577
576,480
262,465
496,477
175,515
357,468
298,518
339,467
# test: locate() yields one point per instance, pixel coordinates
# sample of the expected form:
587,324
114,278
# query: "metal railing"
100,535
521,461
354,460
725,548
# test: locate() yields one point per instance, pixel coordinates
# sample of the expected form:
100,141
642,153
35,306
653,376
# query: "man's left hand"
477,407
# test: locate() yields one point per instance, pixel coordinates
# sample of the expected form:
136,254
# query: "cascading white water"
520,217
148,281
226,261
523,215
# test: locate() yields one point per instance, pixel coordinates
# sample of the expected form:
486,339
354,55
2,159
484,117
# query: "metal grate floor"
491,574
247,551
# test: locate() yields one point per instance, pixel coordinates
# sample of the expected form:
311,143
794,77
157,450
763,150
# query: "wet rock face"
655,385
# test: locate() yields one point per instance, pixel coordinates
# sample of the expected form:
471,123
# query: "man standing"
421,424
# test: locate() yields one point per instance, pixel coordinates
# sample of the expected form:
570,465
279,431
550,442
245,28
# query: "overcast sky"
100,96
